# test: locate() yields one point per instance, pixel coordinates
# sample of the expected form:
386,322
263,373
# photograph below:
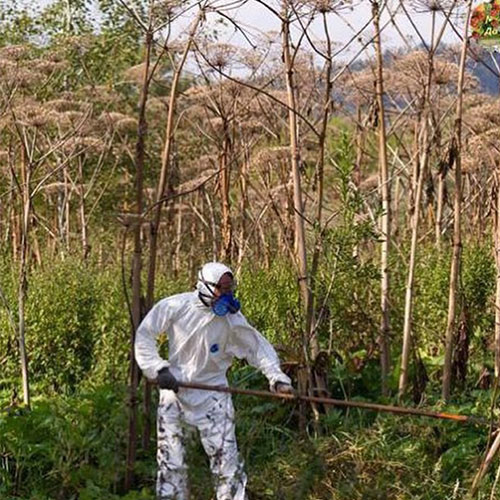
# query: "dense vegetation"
72,443
136,143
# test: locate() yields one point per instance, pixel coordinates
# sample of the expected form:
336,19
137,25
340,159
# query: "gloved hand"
282,388
166,380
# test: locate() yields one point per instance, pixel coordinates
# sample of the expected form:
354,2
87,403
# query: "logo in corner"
485,24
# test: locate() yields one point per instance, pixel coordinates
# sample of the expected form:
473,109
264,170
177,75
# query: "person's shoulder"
237,319
176,301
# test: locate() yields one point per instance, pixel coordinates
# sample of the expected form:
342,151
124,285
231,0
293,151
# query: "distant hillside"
486,71
482,65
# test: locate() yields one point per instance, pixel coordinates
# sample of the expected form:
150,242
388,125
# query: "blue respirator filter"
226,303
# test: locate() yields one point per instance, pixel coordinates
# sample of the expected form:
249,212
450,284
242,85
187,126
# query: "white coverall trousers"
217,434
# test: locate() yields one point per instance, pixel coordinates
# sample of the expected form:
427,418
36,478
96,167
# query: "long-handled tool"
468,419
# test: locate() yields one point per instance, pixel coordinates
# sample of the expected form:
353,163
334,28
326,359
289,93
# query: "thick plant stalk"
67,208
320,182
440,206
407,332
423,161
360,144
13,218
136,272
300,238
496,233
243,206
23,282
213,225
385,193
60,212
311,323
443,170
165,161
495,484
457,206
484,466
224,189
83,218
10,232
155,224
178,241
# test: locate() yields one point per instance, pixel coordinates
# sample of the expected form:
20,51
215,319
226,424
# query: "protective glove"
166,380
282,388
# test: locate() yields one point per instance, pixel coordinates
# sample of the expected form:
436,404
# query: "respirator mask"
208,289
226,303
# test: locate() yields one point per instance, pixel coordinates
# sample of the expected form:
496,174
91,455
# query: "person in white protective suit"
205,330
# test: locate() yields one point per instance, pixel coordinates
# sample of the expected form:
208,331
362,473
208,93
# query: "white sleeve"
155,322
246,342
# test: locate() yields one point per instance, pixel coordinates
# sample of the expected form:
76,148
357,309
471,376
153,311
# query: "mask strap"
203,298
208,284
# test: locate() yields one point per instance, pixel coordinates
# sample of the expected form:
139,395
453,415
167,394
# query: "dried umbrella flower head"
423,6
251,125
480,151
126,125
14,52
252,59
119,121
325,6
113,118
200,96
484,117
79,43
98,94
76,121
195,91
169,48
271,156
48,67
408,74
322,6
79,145
13,74
134,74
60,105
30,113
220,55
69,118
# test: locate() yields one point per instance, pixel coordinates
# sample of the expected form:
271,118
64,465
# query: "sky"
254,18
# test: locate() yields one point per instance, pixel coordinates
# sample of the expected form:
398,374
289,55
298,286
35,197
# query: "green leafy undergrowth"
74,447
65,447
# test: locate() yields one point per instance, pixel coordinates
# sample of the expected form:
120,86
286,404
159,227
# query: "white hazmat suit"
201,347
